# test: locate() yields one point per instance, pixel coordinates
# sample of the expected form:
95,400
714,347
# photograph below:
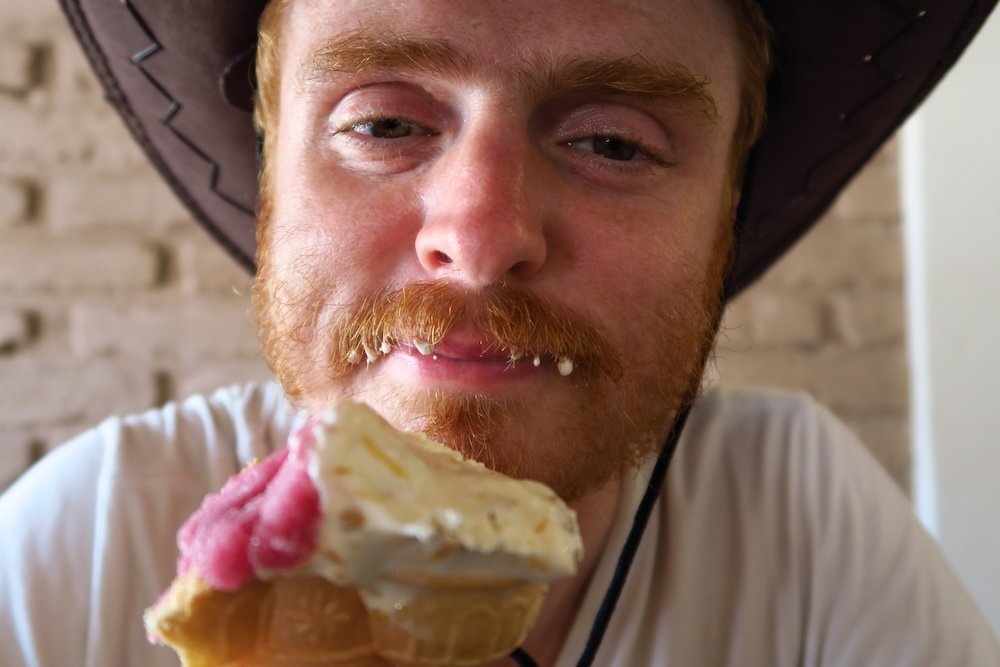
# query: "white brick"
31,262
14,448
873,194
168,327
114,151
842,256
81,199
94,137
51,437
59,391
22,447
203,266
889,151
15,66
771,319
207,377
37,137
22,130
31,11
860,381
14,330
868,317
73,81
13,202
43,314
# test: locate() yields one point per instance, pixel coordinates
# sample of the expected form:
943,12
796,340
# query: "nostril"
441,257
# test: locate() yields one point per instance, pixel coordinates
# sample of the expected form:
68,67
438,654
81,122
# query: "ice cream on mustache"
510,322
564,365
448,561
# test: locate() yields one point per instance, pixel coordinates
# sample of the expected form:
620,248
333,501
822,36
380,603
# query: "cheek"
627,256
329,219
328,223
646,271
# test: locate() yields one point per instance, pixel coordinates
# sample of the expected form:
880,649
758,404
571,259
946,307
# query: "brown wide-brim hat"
847,74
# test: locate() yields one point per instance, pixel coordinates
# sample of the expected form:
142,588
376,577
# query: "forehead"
508,36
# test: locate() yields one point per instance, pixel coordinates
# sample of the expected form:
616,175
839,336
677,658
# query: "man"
511,225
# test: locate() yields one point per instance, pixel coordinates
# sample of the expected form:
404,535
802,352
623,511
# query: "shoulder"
762,415
772,483
214,433
104,508
768,436
191,444
235,423
757,469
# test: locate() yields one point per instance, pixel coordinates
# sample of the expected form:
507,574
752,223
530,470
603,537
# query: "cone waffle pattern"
288,622
456,624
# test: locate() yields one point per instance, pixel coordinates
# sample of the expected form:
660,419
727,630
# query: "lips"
480,352
462,347
457,349
463,360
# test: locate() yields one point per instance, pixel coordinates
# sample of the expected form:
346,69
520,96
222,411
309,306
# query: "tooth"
565,366
353,357
369,352
385,348
537,361
423,347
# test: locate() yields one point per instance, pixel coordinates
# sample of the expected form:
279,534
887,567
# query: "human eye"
382,127
619,148
613,142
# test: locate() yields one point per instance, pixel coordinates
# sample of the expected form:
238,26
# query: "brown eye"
386,128
614,148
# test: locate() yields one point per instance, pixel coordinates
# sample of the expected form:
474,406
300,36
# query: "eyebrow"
360,52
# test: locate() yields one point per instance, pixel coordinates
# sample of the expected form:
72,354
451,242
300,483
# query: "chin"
571,441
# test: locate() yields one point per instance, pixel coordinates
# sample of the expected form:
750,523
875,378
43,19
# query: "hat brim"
848,73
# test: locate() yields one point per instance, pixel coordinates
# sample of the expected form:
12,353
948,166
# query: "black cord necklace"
628,552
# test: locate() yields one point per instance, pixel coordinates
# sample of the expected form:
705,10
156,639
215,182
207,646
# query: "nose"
483,209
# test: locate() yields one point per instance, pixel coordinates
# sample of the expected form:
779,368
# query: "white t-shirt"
777,541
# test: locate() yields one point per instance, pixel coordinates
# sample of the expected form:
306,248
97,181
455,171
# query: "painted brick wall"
112,300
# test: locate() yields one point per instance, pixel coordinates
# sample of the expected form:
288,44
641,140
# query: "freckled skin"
499,191
508,186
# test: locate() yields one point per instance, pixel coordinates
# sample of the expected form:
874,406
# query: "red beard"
618,407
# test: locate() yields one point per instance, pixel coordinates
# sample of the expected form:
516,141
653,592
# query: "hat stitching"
113,92
758,251
175,106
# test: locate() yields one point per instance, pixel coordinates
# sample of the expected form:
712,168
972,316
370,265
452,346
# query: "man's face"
534,189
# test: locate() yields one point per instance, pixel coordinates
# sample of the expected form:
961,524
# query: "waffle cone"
454,622
298,621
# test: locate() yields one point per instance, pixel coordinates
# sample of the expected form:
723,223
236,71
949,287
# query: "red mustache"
510,319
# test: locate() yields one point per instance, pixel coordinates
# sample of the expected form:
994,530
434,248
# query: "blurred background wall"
112,300
951,181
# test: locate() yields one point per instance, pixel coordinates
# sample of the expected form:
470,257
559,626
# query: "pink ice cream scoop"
358,540
264,519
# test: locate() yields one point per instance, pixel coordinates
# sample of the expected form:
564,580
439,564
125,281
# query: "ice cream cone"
417,557
429,621
298,621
